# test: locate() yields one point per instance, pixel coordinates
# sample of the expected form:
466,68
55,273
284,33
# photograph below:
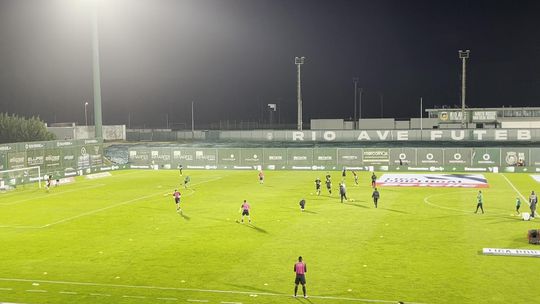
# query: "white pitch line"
33,198
231,302
68,292
35,290
198,290
133,297
517,191
201,301
100,294
168,299
7,289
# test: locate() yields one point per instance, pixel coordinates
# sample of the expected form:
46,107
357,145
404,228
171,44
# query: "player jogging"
342,191
300,269
329,183
186,181
302,204
49,181
518,204
375,195
245,208
261,177
373,180
318,186
344,172
480,201
355,178
177,195
533,200
180,167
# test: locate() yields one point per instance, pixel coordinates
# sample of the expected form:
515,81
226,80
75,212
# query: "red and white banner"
433,180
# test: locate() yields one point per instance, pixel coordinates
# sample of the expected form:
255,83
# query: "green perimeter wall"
59,157
380,159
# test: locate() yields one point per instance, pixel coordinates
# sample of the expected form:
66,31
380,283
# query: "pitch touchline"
51,194
199,290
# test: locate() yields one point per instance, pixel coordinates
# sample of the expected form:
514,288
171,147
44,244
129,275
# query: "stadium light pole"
96,72
86,113
355,81
464,55
360,103
299,61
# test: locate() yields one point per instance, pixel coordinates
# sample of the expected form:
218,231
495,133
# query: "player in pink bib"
300,269
245,208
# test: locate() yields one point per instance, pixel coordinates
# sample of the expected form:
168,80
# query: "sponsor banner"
16,160
69,159
325,157
35,158
433,180
403,156
276,158
96,155
484,116
452,116
430,157
3,158
182,156
139,156
511,252
536,178
98,175
300,157
205,157
375,156
160,155
515,157
229,157
65,180
252,156
53,158
486,156
534,153
349,156
457,156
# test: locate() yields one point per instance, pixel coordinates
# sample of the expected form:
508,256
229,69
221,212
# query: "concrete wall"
327,124
402,125
112,132
520,124
376,124
427,123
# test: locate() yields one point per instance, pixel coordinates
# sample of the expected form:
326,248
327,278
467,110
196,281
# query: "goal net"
12,178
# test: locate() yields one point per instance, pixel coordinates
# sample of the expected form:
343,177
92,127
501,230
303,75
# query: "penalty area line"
147,287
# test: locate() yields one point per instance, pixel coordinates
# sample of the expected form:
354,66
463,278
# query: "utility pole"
464,55
360,104
96,73
355,81
299,61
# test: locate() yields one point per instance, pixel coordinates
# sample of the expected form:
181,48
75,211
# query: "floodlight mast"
355,81
299,61
464,55
96,72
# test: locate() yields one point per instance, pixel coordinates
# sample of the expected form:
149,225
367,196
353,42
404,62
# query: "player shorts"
300,279
177,200
318,187
245,212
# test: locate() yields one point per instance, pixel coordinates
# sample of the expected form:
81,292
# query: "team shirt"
533,199
300,268
518,202
375,194
479,197
245,206
176,194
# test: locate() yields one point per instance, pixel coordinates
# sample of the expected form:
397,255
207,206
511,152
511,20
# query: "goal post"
13,177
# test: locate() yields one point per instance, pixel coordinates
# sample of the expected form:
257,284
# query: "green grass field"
119,240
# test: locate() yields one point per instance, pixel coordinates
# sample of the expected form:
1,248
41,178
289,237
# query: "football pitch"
119,239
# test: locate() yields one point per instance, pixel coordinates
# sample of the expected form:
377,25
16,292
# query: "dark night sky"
233,56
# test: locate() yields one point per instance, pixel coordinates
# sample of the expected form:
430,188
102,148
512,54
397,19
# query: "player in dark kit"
329,183
186,181
300,269
318,186
373,180
302,204
355,178
342,191
180,167
375,195
480,202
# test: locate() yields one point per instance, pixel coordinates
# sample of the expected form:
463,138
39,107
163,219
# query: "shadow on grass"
258,229
394,210
308,211
356,205
187,218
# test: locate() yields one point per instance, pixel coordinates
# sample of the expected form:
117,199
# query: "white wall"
327,124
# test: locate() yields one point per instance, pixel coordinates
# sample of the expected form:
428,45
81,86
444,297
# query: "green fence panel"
429,157
513,156
53,159
300,157
69,158
16,160
205,157
325,158
349,157
35,157
402,156
458,157
375,156
275,158
252,157
229,157
3,158
486,157
535,157
161,156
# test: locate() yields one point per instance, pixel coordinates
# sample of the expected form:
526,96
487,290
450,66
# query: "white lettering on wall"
454,135
383,135
523,134
402,135
297,135
329,135
363,135
501,135
479,134
313,135
436,134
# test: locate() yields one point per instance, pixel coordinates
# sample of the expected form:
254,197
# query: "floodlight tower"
464,55
96,72
299,61
355,81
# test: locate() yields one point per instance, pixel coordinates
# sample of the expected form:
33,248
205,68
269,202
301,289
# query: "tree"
19,129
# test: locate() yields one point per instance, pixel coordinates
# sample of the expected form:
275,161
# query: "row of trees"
14,128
